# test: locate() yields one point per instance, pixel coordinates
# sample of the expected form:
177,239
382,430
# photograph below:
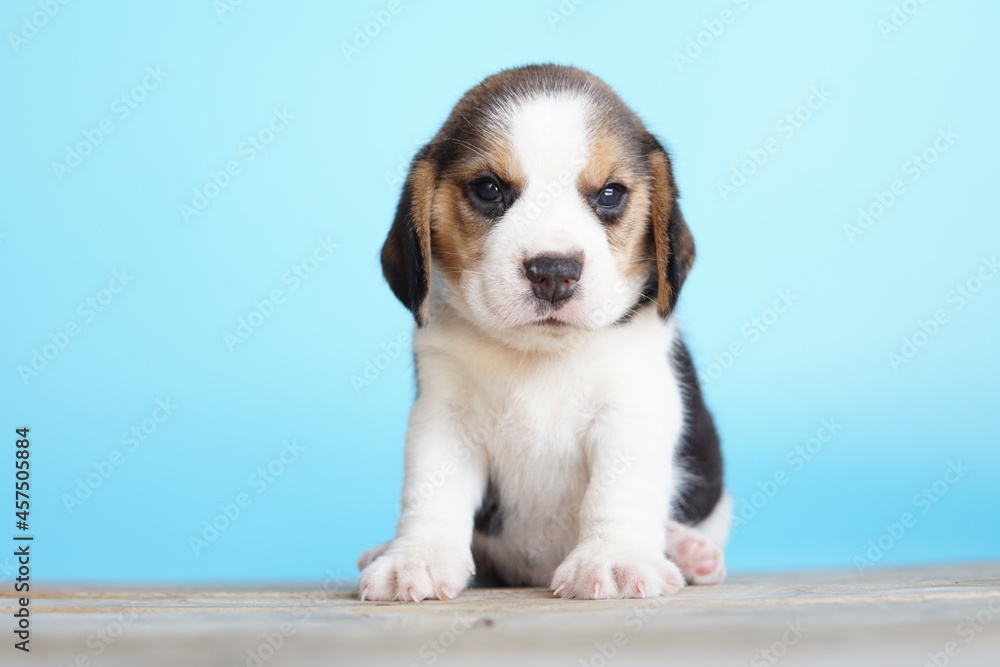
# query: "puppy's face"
541,207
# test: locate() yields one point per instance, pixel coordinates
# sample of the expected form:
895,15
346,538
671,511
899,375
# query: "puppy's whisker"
471,148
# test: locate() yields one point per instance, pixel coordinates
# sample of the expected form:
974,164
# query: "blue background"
333,172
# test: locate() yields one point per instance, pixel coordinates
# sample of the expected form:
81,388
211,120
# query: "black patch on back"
700,453
489,516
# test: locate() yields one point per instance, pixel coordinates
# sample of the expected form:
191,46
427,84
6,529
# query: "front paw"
366,559
417,572
599,570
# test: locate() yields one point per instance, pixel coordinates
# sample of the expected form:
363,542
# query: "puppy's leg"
431,555
698,550
622,546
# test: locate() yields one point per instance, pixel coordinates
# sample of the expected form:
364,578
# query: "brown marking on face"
616,158
456,237
458,231
603,164
634,253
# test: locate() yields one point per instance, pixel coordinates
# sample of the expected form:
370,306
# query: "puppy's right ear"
406,254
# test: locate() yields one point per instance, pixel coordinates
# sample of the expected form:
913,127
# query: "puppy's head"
541,206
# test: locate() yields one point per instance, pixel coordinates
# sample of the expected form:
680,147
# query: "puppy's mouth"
555,321
553,318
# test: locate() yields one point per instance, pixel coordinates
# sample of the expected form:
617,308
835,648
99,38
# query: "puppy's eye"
610,196
487,190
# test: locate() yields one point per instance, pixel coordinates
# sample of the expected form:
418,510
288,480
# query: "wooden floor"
934,616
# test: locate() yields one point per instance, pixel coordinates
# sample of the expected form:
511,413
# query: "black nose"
553,278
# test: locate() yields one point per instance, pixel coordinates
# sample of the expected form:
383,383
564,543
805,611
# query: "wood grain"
883,617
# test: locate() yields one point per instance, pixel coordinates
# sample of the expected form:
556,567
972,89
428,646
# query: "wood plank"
884,617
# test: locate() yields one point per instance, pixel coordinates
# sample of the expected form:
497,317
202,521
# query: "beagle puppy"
559,437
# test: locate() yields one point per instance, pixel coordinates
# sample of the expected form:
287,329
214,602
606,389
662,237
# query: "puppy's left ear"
672,241
406,254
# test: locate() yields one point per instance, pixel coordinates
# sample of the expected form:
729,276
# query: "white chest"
533,419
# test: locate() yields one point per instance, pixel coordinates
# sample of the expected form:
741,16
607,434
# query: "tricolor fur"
559,437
